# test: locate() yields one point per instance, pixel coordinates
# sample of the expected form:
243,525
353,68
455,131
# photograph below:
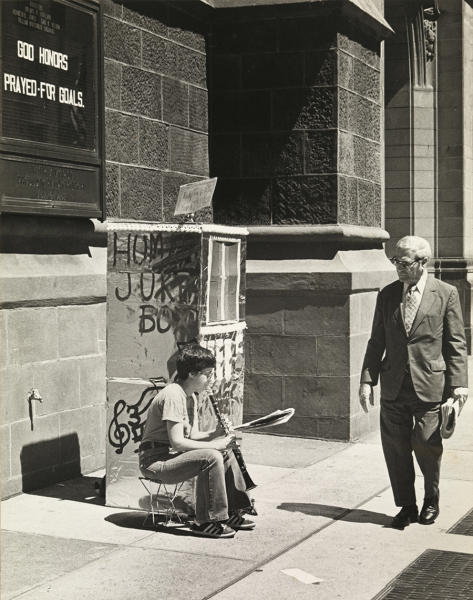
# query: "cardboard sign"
194,196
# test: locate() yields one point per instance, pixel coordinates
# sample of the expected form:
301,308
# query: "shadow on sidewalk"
80,489
138,520
337,513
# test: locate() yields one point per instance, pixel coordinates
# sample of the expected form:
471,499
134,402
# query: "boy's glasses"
403,264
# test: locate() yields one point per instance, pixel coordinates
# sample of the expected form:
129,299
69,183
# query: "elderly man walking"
418,350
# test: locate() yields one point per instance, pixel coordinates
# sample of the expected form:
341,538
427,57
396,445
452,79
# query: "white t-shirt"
170,404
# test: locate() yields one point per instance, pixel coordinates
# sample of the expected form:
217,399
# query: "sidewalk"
324,508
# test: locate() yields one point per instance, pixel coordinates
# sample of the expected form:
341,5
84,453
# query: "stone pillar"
296,120
428,135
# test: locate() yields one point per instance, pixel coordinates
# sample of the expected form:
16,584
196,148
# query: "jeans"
220,489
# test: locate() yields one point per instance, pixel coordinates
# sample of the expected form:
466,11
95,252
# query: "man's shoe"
407,515
430,511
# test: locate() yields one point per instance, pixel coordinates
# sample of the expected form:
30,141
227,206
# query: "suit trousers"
409,425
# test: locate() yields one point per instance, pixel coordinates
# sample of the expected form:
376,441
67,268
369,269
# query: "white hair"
419,245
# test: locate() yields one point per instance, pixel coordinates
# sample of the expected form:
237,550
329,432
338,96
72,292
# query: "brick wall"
156,105
295,118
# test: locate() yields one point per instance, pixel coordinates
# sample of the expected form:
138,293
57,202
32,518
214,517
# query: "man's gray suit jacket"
434,350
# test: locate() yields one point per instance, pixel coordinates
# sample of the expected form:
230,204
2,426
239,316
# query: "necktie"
410,308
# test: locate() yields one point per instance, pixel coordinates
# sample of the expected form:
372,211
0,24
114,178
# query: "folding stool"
170,491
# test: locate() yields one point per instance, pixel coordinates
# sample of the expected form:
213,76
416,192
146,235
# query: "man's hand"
460,394
366,395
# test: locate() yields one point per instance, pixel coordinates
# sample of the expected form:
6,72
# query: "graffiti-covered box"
168,285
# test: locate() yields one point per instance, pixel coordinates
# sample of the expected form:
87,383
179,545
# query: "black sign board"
51,117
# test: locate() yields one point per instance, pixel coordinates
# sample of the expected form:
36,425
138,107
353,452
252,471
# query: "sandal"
213,529
237,522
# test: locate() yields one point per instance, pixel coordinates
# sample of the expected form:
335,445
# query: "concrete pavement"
323,509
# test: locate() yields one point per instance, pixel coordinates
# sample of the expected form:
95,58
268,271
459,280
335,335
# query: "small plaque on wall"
51,143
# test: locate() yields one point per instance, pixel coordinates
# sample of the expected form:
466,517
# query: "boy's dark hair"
193,358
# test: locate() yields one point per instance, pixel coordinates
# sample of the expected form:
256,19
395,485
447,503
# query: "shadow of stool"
167,508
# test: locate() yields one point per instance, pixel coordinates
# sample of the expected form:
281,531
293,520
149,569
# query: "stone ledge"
316,233
363,10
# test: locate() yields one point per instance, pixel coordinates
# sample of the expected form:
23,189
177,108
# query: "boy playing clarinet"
172,452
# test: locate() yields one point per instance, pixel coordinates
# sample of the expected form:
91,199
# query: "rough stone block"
92,381
366,203
175,102
189,152
112,80
333,356
154,144
272,70
77,330
366,49
307,33
186,30
347,200
252,36
37,449
263,394
32,335
83,423
367,159
308,199
256,155
191,66
318,396
288,154
121,137
141,92
112,190
243,202
264,314
122,42
345,70
320,152
358,115
225,71
366,81
152,16
321,68
141,194
316,314
282,355
58,383
318,109
225,152
346,153
198,109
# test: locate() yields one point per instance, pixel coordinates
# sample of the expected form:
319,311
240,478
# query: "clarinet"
235,445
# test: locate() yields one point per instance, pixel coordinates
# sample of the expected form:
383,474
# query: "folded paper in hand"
275,418
450,411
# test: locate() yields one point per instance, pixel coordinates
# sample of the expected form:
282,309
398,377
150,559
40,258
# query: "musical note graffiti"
127,422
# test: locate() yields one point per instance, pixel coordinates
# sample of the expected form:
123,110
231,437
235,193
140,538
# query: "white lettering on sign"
51,58
25,50
73,97
47,90
19,85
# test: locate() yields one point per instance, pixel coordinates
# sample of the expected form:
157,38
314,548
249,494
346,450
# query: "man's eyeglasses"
404,264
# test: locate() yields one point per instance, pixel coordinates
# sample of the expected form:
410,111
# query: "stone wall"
156,101
52,288
295,118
